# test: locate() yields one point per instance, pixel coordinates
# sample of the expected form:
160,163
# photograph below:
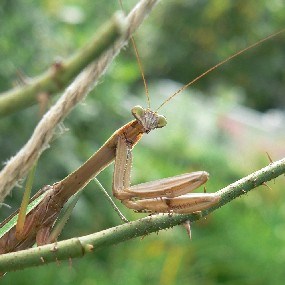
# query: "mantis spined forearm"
161,196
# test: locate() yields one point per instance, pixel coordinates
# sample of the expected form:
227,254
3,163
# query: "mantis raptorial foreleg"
160,196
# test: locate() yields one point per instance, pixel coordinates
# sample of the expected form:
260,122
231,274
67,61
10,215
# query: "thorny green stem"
78,247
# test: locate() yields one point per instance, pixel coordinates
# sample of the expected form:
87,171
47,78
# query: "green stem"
60,74
77,247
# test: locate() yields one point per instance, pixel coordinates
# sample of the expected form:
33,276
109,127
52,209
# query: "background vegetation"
243,243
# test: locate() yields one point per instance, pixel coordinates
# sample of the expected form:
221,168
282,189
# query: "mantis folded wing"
161,196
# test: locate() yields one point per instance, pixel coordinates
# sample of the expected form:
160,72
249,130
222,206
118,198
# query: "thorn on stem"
58,64
142,237
269,157
265,184
54,249
187,226
88,247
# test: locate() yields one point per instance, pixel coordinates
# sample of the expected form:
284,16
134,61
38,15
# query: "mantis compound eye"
148,119
161,121
138,112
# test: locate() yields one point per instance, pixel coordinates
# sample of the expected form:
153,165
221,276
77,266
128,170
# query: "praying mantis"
162,196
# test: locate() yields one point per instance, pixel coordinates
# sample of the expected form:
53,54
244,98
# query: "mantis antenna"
218,65
139,64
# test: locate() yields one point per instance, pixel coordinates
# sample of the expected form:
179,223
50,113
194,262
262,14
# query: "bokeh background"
224,124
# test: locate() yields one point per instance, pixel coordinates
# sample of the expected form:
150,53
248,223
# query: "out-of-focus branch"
61,73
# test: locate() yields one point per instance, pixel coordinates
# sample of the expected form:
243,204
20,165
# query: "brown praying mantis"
169,195
161,196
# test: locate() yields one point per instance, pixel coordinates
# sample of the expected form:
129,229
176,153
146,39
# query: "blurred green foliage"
242,243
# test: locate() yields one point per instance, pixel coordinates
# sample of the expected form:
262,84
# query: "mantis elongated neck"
78,179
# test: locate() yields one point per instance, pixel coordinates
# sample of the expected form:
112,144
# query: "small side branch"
78,247
61,73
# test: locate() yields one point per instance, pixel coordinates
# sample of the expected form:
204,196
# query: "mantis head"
148,119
